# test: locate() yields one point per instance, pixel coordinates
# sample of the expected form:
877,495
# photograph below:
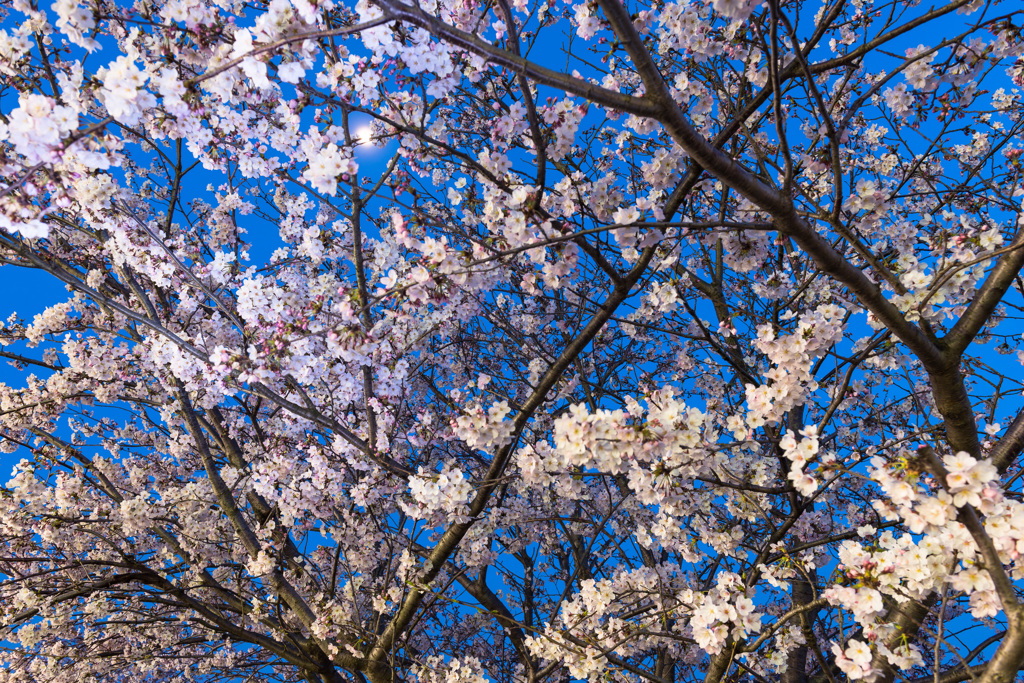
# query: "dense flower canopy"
451,341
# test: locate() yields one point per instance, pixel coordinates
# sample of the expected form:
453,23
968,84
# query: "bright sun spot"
365,135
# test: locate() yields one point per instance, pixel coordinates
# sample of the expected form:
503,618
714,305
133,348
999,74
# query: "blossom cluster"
485,429
903,567
799,453
447,491
658,451
38,126
791,356
435,669
725,611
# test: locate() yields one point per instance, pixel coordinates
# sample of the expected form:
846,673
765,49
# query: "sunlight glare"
364,135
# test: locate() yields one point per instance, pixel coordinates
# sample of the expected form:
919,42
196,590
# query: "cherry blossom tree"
454,341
